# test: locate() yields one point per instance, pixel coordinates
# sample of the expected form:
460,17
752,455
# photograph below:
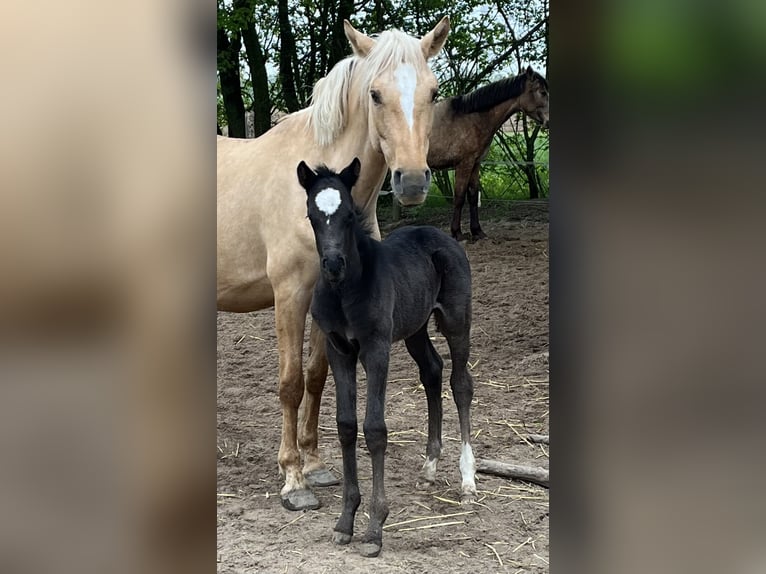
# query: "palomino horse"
369,294
465,125
376,104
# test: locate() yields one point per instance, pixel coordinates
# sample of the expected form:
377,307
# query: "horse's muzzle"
411,187
334,267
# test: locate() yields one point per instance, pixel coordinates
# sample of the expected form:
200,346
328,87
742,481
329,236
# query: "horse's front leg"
291,306
344,371
314,469
375,361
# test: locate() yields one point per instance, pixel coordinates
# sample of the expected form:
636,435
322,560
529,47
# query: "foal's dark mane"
487,97
363,222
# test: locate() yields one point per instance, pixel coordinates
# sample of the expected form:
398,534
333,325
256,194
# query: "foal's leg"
462,177
456,326
473,203
314,469
344,372
375,361
430,365
291,306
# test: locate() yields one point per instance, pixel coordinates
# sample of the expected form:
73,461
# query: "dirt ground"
506,531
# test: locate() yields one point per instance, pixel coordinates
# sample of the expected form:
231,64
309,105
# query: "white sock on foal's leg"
468,471
429,469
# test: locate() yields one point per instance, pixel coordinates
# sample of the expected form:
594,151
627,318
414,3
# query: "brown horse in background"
465,125
377,105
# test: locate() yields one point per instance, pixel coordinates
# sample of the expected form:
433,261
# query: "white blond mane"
330,100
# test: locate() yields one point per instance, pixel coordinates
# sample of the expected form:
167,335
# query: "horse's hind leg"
430,365
314,469
462,178
290,313
455,326
473,204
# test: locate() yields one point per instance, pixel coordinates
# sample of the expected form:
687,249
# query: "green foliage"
488,40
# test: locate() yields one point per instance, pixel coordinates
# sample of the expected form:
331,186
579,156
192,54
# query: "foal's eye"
375,95
434,95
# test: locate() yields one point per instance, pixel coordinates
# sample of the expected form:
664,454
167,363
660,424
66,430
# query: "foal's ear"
360,44
432,42
306,176
350,173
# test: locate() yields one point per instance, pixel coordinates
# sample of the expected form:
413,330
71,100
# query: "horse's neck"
354,142
500,114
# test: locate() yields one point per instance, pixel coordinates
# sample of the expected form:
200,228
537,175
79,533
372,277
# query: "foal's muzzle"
411,186
334,267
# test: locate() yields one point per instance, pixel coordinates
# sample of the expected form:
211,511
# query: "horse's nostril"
397,177
428,176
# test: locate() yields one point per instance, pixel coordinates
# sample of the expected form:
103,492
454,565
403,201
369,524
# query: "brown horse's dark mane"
489,96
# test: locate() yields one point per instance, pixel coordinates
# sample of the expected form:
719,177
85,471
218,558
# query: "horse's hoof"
340,537
302,499
479,235
321,477
468,497
370,549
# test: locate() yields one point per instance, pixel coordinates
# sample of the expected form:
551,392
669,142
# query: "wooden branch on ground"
539,438
506,470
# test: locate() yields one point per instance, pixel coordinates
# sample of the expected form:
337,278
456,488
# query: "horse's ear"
306,176
360,44
432,42
350,173
530,72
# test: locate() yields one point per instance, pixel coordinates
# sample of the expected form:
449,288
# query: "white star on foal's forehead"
328,201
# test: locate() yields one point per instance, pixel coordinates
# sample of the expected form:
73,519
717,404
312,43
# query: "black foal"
369,294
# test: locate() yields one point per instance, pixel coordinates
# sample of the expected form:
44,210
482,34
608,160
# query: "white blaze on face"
328,201
407,81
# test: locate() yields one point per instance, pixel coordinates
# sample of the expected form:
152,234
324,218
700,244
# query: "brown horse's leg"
314,469
462,177
290,311
473,204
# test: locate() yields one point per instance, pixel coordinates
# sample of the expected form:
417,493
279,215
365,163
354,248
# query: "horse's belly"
244,298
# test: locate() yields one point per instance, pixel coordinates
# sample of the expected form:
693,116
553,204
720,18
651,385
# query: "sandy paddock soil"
507,531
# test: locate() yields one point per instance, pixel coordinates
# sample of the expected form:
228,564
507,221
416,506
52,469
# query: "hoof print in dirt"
340,537
322,478
370,549
300,500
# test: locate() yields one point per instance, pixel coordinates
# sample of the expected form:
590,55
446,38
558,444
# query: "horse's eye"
434,95
375,94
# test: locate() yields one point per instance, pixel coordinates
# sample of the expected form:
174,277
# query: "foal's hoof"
302,499
370,549
467,498
321,477
340,537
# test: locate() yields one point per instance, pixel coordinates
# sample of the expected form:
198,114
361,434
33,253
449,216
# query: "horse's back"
433,273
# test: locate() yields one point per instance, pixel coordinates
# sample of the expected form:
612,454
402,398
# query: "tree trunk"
257,63
287,55
231,89
339,47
